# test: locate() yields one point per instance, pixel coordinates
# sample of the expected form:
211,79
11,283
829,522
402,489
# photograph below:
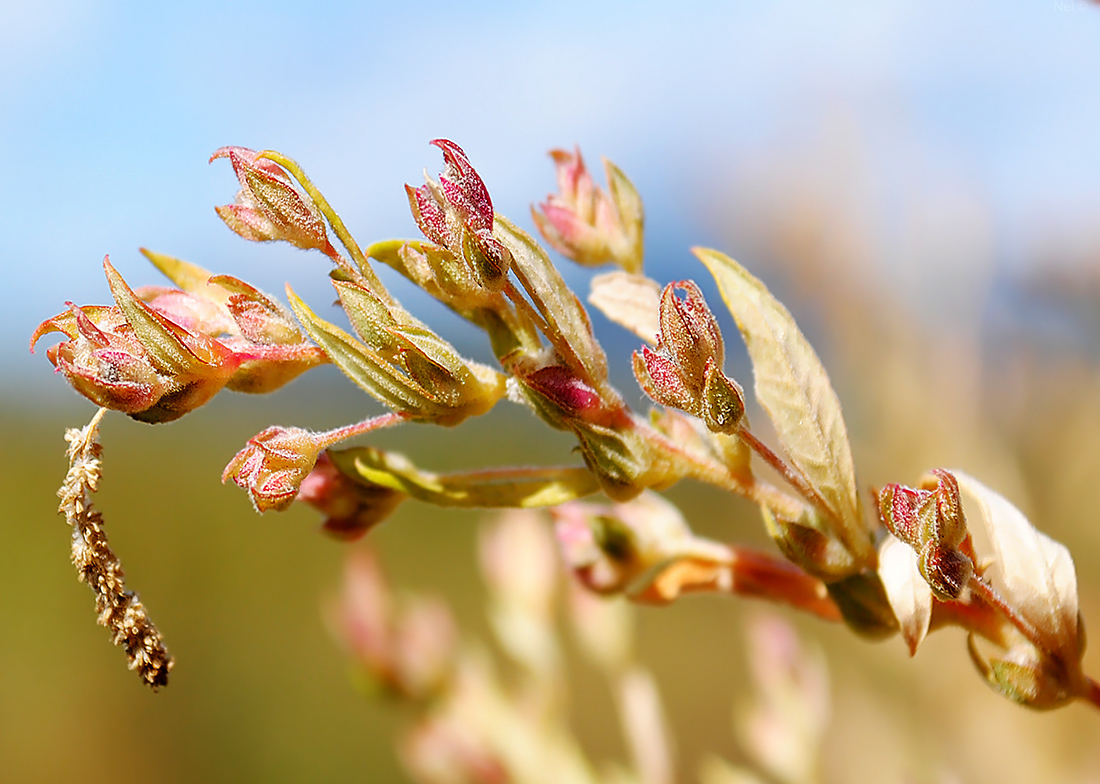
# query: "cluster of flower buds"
587,224
685,371
456,213
399,361
930,519
159,353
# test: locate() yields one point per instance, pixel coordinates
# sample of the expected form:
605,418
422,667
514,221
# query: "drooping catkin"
118,609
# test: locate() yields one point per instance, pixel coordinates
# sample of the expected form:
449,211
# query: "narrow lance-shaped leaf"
555,301
524,488
794,390
358,362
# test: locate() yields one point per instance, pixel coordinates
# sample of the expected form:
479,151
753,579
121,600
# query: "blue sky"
109,111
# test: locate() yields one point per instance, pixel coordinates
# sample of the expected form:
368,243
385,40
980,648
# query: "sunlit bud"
573,398
351,507
931,521
689,332
587,224
723,402
269,206
685,370
131,358
456,213
273,465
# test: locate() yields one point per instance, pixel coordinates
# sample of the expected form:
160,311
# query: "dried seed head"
117,608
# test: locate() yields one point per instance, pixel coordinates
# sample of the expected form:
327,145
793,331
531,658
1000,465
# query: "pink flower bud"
689,333
456,213
269,206
131,358
273,465
931,521
160,353
587,224
685,371
351,508
559,385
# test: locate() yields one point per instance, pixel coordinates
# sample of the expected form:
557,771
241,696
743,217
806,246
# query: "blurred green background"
917,184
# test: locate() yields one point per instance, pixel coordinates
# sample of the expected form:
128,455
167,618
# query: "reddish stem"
793,476
331,437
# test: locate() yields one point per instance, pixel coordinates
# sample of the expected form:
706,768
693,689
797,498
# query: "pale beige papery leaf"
1034,572
794,390
907,591
629,300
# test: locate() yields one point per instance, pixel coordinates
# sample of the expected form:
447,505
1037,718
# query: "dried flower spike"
119,610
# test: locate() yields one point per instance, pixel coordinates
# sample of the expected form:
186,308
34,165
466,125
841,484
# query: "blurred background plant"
858,161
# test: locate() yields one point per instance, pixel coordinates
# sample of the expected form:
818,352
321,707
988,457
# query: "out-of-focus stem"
760,575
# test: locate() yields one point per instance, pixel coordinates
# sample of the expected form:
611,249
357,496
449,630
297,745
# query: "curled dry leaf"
907,591
794,389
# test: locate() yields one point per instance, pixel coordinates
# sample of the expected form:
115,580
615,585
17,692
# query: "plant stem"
793,476
331,437
364,272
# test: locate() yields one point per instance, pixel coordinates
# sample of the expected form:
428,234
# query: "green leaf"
189,277
359,363
523,488
794,390
565,316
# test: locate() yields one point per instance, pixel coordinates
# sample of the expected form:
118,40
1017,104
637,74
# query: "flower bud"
685,371
931,521
269,207
588,225
689,332
273,466
133,359
160,352
401,362
623,548
351,507
456,213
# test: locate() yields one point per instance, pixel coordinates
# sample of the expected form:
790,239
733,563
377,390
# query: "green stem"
365,271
